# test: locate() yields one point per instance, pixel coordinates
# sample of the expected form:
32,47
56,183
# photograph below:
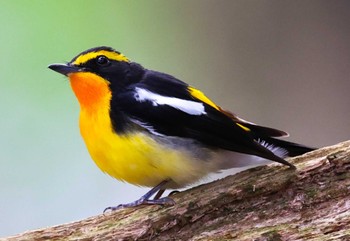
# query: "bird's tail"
287,148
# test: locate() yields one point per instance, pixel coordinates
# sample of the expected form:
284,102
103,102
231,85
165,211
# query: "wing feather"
169,107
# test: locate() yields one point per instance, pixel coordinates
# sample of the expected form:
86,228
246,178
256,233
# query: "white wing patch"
190,107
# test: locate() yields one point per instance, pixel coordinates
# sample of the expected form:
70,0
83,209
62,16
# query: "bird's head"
94,73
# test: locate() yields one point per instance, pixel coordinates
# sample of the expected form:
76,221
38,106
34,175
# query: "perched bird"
150,129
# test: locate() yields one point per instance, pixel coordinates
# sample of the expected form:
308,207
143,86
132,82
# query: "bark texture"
263,203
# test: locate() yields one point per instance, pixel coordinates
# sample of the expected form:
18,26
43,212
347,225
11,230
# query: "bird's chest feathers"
113,153
94,96
131,156
125,156
91,90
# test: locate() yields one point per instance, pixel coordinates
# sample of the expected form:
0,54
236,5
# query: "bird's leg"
145,199
161,191
159,194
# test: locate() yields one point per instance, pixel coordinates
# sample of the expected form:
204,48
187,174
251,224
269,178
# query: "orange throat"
91,90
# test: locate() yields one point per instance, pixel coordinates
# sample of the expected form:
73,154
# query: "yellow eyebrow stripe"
111,55
201,96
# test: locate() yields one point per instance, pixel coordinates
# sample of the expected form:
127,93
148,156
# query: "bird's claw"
165,201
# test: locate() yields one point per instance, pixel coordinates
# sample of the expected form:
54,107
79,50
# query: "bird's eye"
102,60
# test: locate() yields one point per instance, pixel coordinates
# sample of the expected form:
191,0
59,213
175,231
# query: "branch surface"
263,203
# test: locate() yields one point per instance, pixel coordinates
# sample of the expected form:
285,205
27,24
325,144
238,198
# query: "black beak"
64,69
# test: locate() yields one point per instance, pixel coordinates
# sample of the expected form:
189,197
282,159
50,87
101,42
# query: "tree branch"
263,203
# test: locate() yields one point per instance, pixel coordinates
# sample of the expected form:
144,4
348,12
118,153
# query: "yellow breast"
135,157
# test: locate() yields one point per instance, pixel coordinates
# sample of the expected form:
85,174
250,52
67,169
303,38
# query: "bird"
151,129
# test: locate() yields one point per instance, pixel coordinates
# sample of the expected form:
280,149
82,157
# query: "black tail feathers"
293,149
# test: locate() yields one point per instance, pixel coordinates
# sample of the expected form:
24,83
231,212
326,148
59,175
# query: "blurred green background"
284,64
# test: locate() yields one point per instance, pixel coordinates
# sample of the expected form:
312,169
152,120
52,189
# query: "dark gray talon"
173,192
145,199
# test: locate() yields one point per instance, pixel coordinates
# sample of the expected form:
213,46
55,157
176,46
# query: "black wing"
167,107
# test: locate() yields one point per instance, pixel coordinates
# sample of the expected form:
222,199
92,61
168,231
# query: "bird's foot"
165,201
145,199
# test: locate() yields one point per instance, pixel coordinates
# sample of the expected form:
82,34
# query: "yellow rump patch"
201,96
243,127
111,55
